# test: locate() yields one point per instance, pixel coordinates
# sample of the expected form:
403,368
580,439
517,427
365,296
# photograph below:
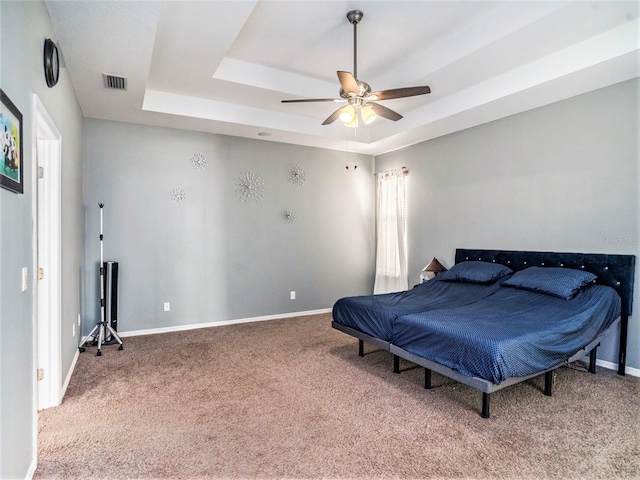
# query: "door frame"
47,253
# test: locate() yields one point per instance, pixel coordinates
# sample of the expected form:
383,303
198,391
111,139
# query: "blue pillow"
556,281
475,272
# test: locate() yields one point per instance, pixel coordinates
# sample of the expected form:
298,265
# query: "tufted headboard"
615,271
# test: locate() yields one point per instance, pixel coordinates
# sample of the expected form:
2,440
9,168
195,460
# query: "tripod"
102,326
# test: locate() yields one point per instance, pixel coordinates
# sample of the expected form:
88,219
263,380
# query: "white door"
48,257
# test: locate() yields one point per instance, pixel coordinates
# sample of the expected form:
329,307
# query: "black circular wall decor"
51,63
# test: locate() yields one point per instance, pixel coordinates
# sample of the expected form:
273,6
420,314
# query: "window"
391,227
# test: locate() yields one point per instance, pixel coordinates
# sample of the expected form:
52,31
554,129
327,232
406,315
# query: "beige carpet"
291,399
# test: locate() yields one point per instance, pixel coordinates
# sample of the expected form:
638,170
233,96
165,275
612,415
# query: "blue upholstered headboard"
615,271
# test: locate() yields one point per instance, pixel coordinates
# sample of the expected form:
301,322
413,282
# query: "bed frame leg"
396,364
548,383
592,359
427,379
485,405
622,355
361,348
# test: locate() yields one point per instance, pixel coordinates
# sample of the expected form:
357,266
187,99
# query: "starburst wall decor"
178,195
249,187
297,175
289,216
199,161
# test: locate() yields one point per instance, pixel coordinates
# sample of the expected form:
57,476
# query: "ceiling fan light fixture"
367,114
347,114
358,93
353,123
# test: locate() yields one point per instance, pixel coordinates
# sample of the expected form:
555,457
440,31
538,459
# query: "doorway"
47,203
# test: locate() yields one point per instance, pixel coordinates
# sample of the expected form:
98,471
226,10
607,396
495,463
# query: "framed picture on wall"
11,162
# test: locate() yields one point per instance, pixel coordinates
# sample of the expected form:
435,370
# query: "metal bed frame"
616,271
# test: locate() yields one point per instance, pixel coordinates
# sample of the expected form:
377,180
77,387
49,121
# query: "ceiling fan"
360,100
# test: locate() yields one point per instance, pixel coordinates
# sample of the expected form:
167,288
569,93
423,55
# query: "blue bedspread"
375,314
512,333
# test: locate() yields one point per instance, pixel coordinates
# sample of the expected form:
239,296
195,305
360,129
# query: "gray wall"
564,177
216,258
23,28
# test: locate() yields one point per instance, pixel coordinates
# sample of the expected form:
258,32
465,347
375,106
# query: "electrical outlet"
79,320
292,295
74,329
167,306
25,278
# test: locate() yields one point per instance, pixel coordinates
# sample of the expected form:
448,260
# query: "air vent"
114,82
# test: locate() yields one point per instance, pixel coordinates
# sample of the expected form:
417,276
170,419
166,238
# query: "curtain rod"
405,171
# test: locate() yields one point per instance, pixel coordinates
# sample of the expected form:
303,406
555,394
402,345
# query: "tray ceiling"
224,66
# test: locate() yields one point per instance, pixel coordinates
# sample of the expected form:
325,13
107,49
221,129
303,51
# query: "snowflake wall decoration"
199,161
249,187
178,195
289,216
297,175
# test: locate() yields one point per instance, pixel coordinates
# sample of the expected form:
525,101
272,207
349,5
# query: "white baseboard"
69,373
180,328
634,372
32,469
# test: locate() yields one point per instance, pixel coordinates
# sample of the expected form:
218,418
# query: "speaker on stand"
108,286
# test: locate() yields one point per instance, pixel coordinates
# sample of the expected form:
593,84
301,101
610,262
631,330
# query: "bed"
516,330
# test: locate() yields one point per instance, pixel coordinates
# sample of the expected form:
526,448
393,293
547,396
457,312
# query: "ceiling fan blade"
349,83
304,100
385,112
400,93
333,117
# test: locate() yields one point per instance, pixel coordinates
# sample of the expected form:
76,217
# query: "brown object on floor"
291,398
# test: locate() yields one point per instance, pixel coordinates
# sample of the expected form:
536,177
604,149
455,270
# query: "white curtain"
391,243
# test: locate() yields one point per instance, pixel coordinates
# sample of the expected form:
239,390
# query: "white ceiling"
224,66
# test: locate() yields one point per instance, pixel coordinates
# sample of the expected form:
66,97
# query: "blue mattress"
512,333
375,314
